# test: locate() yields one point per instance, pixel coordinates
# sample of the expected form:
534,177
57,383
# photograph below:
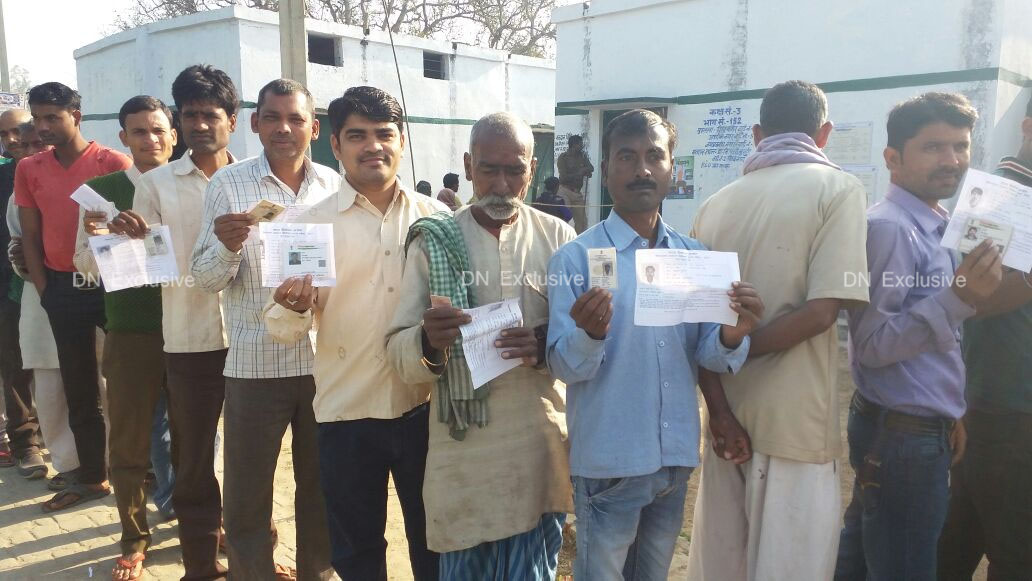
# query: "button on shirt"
173,195
631,400
353,379
253,354
904,348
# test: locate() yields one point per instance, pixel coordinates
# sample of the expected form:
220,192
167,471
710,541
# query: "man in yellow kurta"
497,482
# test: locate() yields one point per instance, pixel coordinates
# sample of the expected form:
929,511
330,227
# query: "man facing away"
43,185
990,513
192,329
634,417
269,386
132,361
370,422
497,482
574,166
904,348
797,224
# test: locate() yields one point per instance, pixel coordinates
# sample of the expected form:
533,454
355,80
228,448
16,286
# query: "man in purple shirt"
904,348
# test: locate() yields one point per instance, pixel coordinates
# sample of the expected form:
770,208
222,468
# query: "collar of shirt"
1015,165
930,220
185,165
623,235
348,196
134,175
265,171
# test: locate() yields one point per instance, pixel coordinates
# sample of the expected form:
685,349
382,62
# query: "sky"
42,34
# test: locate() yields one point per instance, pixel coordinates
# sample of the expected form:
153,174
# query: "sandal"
129,564
81,492
62,480
284,573
6,459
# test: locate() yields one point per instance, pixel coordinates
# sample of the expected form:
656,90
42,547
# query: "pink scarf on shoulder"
786,148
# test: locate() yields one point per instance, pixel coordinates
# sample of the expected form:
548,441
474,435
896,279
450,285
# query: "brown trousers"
133,364
196,390
258,412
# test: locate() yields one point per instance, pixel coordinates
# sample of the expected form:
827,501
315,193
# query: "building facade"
705,64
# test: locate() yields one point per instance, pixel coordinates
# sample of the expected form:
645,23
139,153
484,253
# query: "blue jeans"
161,459
900,496
627,527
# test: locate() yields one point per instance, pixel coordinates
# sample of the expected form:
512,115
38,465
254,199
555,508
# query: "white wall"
245,43
619,54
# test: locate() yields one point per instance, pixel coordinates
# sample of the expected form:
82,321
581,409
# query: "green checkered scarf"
458,405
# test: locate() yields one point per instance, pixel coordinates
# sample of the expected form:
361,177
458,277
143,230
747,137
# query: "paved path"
82,543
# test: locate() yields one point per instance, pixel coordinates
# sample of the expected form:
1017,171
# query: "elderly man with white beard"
497,482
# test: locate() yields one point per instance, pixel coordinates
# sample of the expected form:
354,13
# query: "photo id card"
311,258
976,230
602,268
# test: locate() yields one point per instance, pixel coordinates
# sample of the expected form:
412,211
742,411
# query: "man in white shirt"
194,338
371,423
269,386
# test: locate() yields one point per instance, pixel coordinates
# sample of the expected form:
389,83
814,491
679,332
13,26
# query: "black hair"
205,84
636,122
424,188
793,107
143,103
551,183
450,180
575,140
283,87
909,117
369,102
54,93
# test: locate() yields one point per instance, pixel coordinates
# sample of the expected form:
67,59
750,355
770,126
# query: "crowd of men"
601,417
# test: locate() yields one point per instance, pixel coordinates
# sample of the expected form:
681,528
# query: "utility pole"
5,73
293,41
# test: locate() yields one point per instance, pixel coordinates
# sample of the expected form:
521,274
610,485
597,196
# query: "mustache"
945,173
642,184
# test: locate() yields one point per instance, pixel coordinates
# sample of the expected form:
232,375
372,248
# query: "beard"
499,207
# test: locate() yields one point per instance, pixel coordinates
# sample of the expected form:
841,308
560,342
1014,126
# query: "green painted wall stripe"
854,85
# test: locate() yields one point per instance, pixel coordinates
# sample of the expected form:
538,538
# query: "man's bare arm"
793,328
32,246
1014,292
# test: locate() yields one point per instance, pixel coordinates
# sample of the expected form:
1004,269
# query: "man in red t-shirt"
43,185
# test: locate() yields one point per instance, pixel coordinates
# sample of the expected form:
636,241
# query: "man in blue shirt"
904,348
632,409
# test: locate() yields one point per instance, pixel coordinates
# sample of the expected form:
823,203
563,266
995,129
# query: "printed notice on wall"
868,176
850,143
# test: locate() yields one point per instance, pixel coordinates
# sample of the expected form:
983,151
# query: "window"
434,65
322,50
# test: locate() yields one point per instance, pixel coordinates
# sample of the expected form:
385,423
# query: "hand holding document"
684,286
290,249
993,207
126,262
483,358
91,201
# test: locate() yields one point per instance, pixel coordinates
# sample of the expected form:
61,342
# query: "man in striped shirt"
268,385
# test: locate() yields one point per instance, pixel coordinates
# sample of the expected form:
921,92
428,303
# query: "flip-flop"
82,493
61,481
284,573
130,565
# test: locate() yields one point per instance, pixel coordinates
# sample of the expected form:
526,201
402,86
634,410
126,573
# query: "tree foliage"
518,26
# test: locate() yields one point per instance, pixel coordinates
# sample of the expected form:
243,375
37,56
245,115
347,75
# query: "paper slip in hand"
978,230
1003,210
292,250
126,262
265,211
684,286
602,268
483,358
91,201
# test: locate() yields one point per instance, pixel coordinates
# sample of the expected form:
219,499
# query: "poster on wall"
850,143
10,101
682,184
